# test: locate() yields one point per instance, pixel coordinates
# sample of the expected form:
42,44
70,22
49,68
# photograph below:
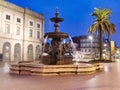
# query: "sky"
76,14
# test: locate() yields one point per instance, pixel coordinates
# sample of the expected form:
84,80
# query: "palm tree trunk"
100,32
109,46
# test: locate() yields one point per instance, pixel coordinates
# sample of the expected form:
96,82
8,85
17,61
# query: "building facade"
106,49
117,53
87,45
20,33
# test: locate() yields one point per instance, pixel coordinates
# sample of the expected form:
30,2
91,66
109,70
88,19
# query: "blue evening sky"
76,14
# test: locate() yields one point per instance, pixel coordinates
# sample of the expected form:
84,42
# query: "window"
18,20
38,34
83,45
31,23
30,33
87,45
89,50
8,17
38,25
80,45
18,31
7,28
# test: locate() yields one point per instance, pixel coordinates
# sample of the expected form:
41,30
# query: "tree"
102,25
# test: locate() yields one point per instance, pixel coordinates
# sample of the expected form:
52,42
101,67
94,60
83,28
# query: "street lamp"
90,37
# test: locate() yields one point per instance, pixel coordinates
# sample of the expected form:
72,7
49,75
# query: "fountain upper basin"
57,35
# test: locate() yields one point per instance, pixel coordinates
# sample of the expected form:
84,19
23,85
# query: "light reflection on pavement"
108,79
6,68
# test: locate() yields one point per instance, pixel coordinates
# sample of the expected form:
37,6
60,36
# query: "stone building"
20,32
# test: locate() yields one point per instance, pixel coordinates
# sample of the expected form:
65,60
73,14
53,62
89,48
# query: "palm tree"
102,25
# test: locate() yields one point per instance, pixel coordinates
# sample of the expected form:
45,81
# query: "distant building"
117,53
20,33
113,46
113,49
88,47
106,49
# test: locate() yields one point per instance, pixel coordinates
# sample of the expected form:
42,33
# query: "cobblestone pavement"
109,79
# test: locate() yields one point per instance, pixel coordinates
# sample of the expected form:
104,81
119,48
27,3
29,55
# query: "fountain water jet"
43,48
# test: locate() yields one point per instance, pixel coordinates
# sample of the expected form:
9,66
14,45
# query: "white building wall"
23,39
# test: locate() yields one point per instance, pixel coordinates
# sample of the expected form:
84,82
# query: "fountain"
55,61
57,55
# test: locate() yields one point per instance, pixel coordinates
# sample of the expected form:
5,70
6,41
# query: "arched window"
6,51
17,52
30,52
37,52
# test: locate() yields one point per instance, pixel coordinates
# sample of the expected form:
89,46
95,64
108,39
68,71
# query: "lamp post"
90,37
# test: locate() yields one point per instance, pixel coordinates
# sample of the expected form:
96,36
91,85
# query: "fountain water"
43,48
44,43
72,43
76,55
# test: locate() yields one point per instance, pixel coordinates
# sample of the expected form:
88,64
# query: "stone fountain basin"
46,70
57,35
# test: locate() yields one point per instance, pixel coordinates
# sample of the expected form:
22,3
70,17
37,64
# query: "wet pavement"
109,79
